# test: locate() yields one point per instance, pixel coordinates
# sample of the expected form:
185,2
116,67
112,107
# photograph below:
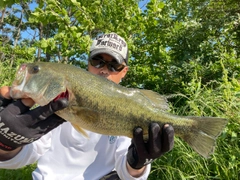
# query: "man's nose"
104,70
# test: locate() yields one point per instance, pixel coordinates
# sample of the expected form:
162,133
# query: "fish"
102,106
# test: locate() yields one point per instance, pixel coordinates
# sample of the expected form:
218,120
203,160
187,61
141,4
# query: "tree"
62,31
183,38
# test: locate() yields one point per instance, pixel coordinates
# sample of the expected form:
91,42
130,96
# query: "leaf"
44,44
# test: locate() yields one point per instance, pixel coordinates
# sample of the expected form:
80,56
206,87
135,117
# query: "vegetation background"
188,49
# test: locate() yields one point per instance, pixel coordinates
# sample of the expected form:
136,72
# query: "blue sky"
142,4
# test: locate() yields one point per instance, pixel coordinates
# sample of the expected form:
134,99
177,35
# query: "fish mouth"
62,95
21,76
19,83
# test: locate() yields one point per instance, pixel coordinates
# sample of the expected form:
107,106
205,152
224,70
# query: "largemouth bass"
101,106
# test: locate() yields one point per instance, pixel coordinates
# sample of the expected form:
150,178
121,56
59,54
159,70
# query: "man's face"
114,76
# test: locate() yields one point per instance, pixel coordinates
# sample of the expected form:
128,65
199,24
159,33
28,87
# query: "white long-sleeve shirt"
64,153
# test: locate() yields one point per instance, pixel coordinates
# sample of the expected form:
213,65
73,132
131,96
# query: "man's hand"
20,126
141,153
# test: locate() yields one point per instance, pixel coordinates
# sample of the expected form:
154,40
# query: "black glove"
141,153
20,126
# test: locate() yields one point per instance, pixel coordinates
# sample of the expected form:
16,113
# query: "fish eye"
35,69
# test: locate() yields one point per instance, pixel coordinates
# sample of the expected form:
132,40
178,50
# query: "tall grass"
24,173
218,98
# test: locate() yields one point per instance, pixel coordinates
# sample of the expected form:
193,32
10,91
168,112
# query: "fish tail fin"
202,137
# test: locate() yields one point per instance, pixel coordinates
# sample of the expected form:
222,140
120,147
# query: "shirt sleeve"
121,161
29,154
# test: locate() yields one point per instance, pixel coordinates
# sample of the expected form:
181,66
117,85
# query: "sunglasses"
112,66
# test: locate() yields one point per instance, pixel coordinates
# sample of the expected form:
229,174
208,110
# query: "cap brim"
115,55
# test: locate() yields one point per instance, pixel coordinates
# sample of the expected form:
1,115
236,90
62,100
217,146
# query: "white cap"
111,44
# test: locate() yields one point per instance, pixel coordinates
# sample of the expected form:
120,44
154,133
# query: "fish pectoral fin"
79,129
159,101
88,119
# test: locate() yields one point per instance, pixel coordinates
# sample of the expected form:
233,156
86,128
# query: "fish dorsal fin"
79,129
159,101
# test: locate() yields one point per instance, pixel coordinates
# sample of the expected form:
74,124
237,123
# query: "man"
27,136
